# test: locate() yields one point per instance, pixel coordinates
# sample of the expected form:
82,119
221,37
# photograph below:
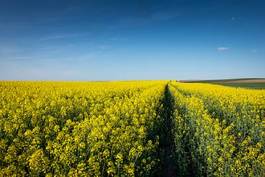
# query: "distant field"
253,83
246,85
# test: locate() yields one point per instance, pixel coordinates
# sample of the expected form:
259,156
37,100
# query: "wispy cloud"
52,37
21,58
9,49
222,49
138,20
62,36
254,50
104,47
162,16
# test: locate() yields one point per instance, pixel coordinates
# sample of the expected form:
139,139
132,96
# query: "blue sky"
131,40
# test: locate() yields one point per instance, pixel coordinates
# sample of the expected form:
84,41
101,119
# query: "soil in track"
166,142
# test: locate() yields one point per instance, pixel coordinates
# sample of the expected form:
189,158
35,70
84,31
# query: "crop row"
219,130
78,129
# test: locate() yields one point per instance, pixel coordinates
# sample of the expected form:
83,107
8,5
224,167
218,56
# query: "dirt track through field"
167,143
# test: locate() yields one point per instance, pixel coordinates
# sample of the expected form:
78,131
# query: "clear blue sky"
124,40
